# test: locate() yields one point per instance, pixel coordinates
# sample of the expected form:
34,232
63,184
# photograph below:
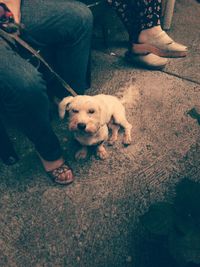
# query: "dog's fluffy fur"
89,119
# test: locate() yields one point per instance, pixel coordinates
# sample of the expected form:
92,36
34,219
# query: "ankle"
145,34
51,165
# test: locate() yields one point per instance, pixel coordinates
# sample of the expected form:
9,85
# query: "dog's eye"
75,111
91,111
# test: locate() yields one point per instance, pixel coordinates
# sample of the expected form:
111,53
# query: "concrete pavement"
94,221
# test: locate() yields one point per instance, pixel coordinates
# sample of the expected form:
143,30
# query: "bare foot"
58,170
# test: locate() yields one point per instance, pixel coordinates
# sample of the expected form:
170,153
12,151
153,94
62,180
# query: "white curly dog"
89,120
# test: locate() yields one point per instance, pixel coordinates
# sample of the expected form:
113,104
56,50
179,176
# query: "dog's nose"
81,126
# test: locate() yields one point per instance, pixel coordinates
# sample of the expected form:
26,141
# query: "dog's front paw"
101,152
81,154
112,140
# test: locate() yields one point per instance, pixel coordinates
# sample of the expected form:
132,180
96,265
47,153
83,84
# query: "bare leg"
149,32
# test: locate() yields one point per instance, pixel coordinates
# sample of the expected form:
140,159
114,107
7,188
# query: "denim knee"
79,24
87,17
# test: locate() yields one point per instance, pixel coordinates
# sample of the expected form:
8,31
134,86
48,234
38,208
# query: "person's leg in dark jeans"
24,98
66,27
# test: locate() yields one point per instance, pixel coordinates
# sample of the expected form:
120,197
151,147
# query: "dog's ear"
63,106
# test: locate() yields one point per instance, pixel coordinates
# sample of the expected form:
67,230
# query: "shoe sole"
143,49
133,61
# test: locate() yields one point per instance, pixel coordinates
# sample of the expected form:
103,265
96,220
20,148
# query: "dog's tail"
129,96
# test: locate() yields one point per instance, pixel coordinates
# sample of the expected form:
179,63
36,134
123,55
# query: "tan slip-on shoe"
149,61
161,45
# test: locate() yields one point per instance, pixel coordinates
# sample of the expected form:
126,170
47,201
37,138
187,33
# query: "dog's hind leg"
114,133
127,134
120,118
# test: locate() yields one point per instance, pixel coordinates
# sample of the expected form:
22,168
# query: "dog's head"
84,113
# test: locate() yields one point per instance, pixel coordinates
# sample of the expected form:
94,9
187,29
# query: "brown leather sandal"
55,174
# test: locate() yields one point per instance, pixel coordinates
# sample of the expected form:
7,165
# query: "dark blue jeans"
65,29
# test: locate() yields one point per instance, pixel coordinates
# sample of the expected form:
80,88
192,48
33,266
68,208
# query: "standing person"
149,44
66,28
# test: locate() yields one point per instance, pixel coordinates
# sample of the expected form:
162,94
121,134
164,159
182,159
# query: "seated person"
66,27
150,46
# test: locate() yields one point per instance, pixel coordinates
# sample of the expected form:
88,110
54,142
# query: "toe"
62,175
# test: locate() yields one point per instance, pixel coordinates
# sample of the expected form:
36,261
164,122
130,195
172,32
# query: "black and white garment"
137,15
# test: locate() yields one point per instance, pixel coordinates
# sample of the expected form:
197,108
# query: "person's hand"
14,6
